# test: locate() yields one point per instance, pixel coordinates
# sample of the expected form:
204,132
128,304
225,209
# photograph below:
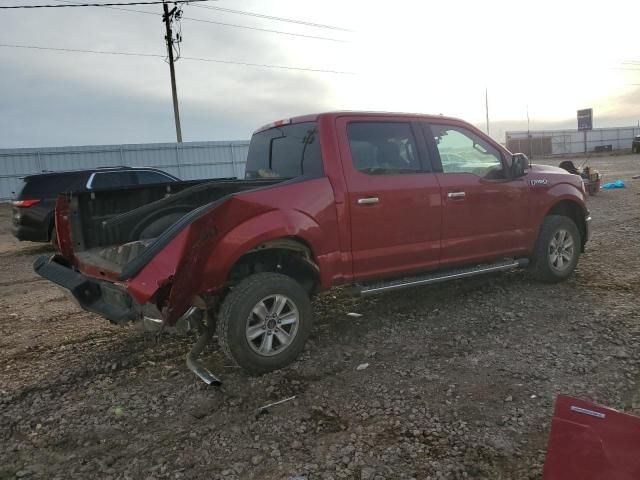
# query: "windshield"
285,152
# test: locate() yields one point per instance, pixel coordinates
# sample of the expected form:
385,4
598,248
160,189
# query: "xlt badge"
539,181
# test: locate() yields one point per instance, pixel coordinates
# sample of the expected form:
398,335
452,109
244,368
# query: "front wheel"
557,249
264,322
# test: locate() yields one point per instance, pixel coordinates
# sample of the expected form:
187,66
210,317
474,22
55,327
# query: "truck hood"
555,175
548,169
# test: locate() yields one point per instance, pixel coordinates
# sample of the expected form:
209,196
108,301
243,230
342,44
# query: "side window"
113,180
148,177
462,151
383,148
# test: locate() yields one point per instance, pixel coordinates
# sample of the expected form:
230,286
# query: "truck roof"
314,117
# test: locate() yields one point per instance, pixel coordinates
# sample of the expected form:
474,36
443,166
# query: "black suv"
35,201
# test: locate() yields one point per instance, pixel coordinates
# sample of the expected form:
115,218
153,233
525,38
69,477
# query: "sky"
547,58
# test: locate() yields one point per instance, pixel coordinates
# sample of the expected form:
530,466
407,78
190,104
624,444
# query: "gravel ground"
460,382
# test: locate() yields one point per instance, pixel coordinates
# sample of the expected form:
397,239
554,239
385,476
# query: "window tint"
146,177
48,186
462,151
288,151
383,148
113,179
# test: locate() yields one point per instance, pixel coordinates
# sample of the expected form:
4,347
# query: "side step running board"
380,287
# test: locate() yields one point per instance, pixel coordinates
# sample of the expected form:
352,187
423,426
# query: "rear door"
485,213
393,196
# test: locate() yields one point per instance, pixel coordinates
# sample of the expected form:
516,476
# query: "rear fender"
247,236
207,255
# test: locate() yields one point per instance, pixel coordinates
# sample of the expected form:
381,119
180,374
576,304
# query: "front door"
394,199
485,213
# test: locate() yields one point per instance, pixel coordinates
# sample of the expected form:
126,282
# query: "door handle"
456,195
368,201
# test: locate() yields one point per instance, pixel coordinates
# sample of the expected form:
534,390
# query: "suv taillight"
25,203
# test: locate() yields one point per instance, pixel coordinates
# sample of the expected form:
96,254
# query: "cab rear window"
288,151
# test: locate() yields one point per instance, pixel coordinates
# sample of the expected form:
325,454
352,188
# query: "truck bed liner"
113,258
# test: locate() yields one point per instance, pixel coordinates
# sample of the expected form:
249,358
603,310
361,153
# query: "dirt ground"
460,382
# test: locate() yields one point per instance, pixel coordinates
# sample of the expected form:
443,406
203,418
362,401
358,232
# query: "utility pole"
486,106
167,18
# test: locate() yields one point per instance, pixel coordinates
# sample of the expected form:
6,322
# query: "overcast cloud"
409,56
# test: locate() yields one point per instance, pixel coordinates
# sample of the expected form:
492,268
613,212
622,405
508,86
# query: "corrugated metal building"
538,143
188,161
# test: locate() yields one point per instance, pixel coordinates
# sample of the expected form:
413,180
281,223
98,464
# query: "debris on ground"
362,366
265,408
611,185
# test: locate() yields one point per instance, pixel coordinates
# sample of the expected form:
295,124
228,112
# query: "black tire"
542,264
239,305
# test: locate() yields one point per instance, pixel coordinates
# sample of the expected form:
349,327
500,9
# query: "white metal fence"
188,161
570,142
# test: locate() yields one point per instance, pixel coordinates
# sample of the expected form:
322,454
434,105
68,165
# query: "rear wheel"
264,322
557,249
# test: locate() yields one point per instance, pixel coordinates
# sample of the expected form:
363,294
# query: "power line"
116,8
220,23
265,30
263,65
272,17
213,60
75,50
158,2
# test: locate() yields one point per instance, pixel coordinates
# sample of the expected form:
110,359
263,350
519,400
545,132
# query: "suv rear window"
288,151
48,186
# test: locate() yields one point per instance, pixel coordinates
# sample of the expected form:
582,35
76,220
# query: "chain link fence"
541,143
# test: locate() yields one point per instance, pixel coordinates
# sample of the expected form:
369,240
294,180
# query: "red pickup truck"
380,201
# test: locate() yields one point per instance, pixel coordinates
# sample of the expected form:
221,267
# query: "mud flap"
591,442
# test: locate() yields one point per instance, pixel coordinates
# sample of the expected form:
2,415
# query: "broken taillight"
25,203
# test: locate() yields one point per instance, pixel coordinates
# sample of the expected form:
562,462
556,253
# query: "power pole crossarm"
169,38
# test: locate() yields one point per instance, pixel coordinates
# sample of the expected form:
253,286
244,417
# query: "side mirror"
519,165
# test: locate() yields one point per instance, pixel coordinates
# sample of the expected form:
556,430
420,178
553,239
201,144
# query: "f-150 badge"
539,181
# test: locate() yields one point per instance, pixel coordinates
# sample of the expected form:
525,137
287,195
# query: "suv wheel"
264,322
557,249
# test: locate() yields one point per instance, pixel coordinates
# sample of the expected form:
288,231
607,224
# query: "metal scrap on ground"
265,408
